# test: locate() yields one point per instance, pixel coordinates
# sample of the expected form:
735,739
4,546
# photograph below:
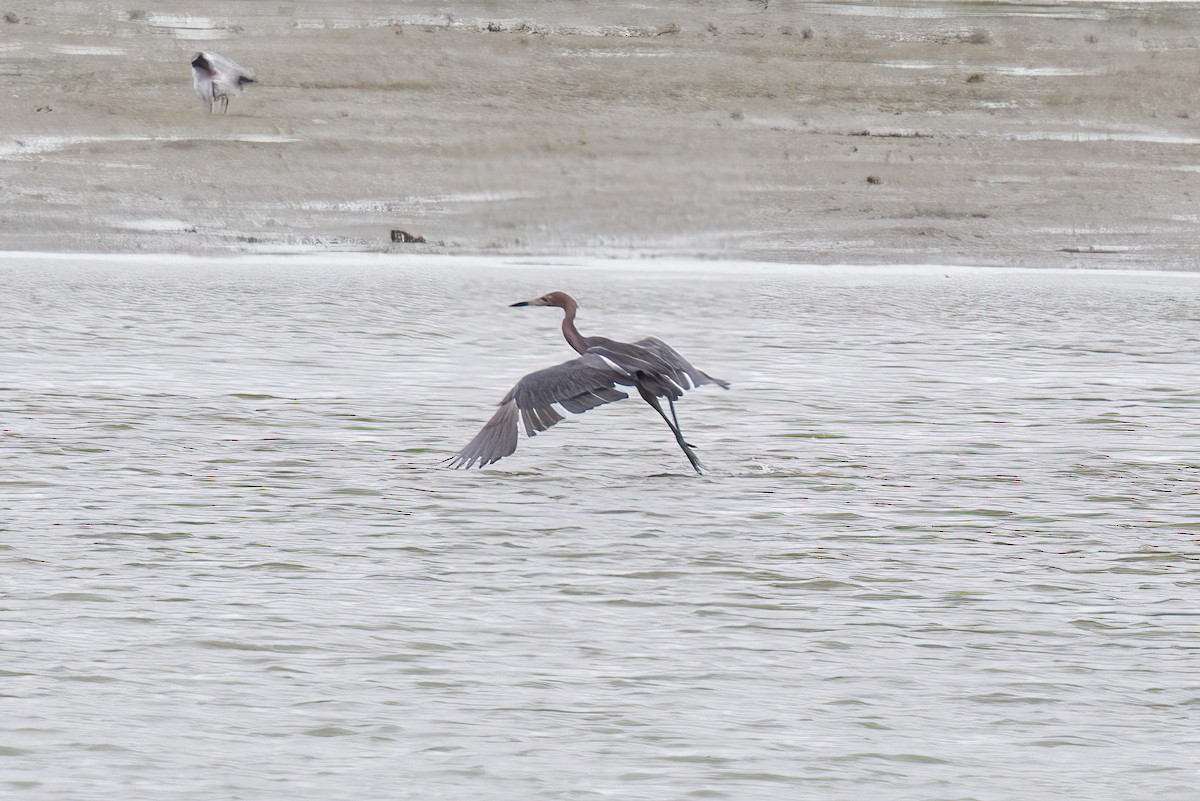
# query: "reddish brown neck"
570,332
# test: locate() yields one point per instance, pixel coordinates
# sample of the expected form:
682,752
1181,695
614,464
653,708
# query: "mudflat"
968,133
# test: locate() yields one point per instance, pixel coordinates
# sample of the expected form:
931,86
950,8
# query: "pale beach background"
1034,134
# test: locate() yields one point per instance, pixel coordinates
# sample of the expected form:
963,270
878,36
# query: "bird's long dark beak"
522,303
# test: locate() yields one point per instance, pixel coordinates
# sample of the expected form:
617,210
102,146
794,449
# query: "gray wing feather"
495,440
578,385
671,357
654,365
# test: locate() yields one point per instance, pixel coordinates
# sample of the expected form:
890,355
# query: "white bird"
215,78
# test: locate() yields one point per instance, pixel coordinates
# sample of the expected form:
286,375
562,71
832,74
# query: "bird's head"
560,299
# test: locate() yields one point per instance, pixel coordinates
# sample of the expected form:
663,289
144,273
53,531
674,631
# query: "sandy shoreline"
958,133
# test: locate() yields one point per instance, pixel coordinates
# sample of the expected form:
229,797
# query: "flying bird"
649,365
215,78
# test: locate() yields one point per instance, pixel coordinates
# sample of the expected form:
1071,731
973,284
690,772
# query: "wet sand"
968,133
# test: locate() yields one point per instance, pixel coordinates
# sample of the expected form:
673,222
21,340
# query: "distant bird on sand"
650,365
215,78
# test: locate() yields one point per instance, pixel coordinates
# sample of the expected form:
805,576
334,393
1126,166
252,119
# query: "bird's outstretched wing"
227,68
671,357
654,365
577,385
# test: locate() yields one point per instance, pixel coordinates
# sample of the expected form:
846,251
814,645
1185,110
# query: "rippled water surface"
946,547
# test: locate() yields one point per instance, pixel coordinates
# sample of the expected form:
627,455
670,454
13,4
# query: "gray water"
946,547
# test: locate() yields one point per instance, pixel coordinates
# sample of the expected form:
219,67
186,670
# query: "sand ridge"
972,133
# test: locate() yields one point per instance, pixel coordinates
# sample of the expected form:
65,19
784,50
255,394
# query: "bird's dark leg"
650,398
678,427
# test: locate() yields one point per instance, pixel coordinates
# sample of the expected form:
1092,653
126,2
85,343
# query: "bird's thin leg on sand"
687,449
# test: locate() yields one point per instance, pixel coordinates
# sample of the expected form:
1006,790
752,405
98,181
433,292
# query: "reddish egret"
650,365
215,78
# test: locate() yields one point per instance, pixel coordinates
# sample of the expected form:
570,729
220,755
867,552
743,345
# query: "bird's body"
650,365
215,78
